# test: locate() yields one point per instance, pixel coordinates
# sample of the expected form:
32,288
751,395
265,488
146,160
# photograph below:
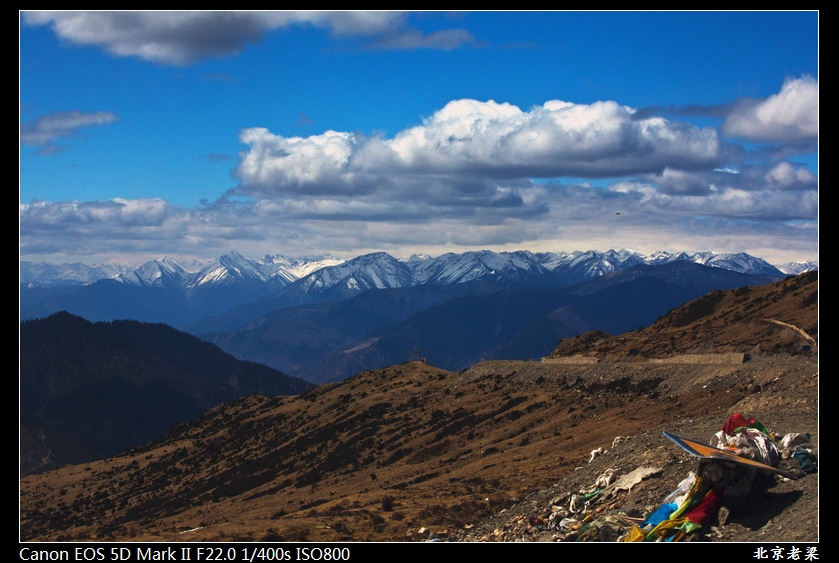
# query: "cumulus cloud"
785,176
48,128
791,115
555,139
724,201
183,38
469,139
753,178
314,165
679,182
477,161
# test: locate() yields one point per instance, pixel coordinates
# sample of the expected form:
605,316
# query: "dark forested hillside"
120,384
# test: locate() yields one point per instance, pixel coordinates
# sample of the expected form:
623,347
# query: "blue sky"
193,134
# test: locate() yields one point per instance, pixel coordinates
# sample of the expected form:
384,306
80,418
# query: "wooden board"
705,451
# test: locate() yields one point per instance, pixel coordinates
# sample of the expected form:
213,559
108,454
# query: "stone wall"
702,359
570,360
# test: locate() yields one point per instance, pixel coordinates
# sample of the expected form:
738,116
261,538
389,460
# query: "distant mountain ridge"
273,270
280,270
233,290
453,325
160,290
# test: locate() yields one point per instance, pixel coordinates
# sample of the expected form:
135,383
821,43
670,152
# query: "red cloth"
735,421
705,510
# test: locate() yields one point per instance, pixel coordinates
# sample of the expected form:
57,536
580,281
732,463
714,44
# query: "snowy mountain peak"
269,260
377,270
741,262
154,273
228,269
421,257
235,260
795,268
44,274
302,267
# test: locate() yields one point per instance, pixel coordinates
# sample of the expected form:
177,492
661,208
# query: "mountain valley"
393,453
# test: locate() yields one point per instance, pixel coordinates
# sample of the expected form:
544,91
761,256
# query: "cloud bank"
558,176
184,38
551,217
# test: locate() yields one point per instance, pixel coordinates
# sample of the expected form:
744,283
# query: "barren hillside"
389,452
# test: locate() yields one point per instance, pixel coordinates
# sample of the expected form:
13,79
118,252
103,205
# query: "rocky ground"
777,509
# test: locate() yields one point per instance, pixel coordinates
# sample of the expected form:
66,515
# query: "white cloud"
792,115
555,139
183,38
469,143
473,162
316,164
679,182
785,176
47,128
122,212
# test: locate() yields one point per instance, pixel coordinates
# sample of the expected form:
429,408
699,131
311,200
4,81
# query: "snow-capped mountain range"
288,312
381,270
278,269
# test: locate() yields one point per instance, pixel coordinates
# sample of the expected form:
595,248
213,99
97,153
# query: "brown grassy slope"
737,320
388,451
